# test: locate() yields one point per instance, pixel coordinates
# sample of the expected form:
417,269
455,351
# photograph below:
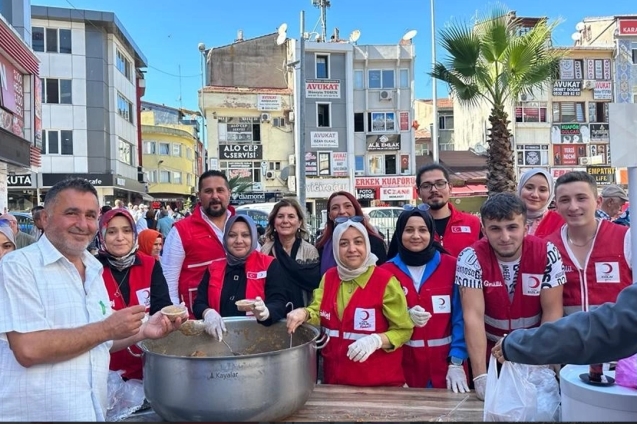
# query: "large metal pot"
268,382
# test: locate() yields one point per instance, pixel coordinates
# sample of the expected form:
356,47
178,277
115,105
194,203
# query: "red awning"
461,191
477,188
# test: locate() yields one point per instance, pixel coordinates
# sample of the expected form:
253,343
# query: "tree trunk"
501,171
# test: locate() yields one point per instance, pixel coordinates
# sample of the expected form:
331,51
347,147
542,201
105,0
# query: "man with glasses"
455,230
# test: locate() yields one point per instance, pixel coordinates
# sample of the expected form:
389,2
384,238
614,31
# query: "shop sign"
385,142
322,188
98,180
241,151
366,193
628,27
404,121
11,98
604,175
558,172
324,139
393,182
570,133
339,164
603,90
398,193
311,164
567,88
22,180
568,154
599,132
322,89
268,102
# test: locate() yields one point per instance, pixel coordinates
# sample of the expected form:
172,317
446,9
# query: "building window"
381,121
359,165
164,149
569,112
56,142
188,153
150,147
530,112
323,115
571,69
176,177
634,48
404,78
124,65
274,166
445,122
533,154
390,165
322,66
189,179
164,176
57,91
598,112
177,150
124,108
151,176
359,80
376,163
381,78
359,122
51,40
324,163
125,153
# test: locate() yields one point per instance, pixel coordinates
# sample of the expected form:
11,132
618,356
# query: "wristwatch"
454,361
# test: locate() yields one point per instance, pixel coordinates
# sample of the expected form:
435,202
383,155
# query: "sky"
168,32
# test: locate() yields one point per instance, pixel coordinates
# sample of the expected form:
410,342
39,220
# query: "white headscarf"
525,178
345,273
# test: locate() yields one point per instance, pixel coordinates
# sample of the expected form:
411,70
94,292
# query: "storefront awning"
469,190
147,197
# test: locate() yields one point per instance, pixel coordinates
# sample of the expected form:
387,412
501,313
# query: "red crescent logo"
365,315
609,268
147,293
537,282
441,301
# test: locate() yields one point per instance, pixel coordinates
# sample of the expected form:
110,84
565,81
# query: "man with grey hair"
36,214
22,239
610,202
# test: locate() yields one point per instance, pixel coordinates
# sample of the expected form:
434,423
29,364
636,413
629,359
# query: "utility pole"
434,89
323,5
300,163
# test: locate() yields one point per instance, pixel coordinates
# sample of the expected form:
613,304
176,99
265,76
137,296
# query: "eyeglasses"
423,207
341,219
440,184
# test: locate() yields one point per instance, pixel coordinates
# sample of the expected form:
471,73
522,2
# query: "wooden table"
333,403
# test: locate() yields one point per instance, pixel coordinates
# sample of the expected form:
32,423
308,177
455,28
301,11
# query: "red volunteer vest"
256,271
139,279
425,355
551,223
463,229
201,247
605,274
362,316
501,316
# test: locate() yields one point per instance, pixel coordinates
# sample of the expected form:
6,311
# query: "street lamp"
434,88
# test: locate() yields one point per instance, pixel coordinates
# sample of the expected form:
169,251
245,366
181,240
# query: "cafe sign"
567,88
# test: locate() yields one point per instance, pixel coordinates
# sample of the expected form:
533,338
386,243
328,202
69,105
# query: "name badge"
143,297
607,272
531,284
365,319
441,304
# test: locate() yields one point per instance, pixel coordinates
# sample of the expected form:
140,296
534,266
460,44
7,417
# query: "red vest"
363,315
463,229
139,279
425,355
605,274
550,223
201,247
256,271
501,316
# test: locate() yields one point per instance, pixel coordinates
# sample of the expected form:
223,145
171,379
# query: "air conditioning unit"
585,161
291,116
265,117
524,97
385,95
292,160
588,84
269,175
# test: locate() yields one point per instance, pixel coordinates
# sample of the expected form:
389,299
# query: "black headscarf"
410,258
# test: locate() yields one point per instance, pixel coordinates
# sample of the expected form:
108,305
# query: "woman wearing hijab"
7,239
151,242
286,237
536,190
131,278
364,310
244,273
342,204
435,354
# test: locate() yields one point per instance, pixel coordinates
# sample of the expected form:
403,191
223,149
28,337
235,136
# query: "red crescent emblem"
441,301
609,268
365,315
536,281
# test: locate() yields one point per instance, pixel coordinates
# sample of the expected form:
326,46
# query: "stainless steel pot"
268,382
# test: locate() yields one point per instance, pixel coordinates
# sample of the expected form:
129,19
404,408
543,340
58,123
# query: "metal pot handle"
322,340
137,355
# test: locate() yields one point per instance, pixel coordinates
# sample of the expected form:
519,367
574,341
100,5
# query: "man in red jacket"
508,280
455,230
194,242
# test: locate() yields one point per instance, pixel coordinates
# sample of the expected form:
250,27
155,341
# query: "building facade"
170,142
91,86
20,109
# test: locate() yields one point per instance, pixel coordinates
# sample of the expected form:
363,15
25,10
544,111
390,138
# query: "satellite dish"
282,28
580,26
354,36
409,35
576,36
281,39
285,173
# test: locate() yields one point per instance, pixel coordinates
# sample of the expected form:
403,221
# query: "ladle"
231,351
291,305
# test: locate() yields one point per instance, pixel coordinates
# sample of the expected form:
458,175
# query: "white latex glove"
457,379
419,316
480,385
360,350
214,324
260,311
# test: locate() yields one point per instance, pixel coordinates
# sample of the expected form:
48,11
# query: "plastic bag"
626,372
521,393
124,397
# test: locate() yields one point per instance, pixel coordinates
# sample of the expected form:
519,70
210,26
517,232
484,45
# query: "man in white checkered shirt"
56,324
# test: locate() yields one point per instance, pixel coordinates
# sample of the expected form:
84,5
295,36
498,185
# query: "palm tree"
239,184
493,62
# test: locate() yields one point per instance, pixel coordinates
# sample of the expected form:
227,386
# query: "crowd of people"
424,310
